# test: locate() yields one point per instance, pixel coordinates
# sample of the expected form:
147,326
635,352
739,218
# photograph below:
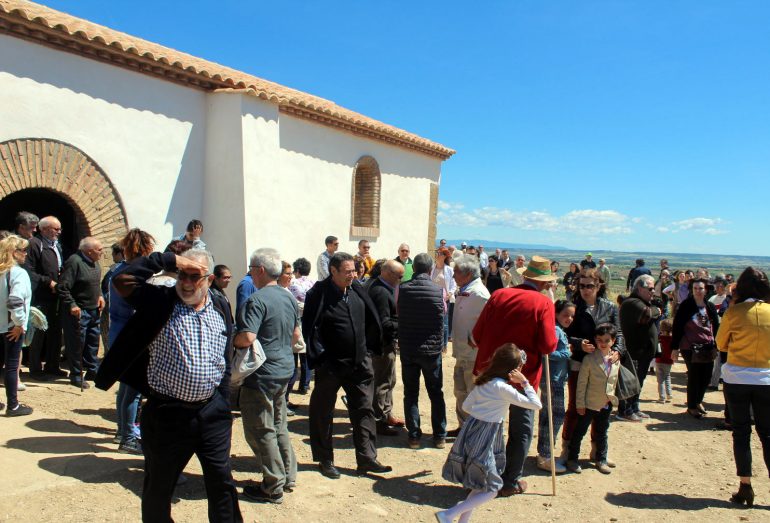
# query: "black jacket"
128,357
640,328
43,267
315,306
421,317
687,309
584,326
383,298
634,273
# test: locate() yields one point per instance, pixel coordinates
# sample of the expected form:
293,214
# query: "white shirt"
490,402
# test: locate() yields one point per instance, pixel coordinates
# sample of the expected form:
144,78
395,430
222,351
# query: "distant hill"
492,245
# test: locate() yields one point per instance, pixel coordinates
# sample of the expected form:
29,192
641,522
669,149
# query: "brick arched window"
365,215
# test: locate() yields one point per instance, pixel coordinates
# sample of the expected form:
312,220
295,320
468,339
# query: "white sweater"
489,402
19,298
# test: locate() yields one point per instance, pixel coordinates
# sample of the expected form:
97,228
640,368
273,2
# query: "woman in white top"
477,458
15,297
443,276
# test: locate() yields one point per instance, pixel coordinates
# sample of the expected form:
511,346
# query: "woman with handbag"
695,325
745,336
591,309
15,298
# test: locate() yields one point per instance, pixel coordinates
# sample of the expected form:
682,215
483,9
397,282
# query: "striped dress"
477,458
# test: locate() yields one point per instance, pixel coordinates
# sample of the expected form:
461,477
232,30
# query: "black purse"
628,384
704,352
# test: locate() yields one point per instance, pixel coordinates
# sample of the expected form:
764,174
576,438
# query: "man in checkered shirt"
174,350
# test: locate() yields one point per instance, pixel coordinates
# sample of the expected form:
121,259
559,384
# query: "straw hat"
539,269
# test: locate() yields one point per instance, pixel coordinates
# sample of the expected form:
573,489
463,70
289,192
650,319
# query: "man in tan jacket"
470,299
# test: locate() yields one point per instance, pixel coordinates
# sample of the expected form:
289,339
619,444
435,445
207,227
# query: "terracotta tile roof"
43,25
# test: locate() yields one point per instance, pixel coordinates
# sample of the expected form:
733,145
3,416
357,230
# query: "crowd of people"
172,341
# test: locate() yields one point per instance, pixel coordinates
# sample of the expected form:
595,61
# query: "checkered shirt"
187,358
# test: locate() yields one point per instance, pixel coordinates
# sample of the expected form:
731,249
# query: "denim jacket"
559,359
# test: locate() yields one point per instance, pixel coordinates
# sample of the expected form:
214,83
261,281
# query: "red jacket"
518,315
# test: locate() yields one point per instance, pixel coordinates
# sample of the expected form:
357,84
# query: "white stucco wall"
147,135
254,176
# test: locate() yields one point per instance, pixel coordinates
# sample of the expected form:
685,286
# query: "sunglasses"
192,278
587,286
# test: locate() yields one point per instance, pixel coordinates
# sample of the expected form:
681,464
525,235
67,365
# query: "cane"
550,424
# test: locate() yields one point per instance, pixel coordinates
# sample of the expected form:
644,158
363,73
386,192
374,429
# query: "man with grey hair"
638,321
421,309
270,316
43,264
82,303
404,259
174,350
26,223
472,296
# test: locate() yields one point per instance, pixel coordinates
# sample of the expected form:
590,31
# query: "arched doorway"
47,177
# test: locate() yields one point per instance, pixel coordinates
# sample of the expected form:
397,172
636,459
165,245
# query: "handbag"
628,384
704,352
246,361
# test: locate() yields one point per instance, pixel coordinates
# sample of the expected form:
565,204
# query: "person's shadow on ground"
647,501
404,488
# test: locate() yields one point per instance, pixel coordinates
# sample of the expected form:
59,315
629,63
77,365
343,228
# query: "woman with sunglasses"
592,308
696,323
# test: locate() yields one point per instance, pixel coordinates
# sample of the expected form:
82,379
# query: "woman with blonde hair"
15,298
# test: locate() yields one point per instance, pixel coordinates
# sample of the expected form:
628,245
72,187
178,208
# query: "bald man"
82,304
404,259
381,291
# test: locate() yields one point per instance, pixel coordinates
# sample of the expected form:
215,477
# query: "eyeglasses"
651,289
587,286
192,278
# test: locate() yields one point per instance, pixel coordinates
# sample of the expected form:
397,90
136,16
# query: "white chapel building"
107,132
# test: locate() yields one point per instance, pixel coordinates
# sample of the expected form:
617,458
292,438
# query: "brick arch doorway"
47,177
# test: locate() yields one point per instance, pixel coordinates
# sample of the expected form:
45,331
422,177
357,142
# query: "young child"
477,457
664,362
595,397
559,365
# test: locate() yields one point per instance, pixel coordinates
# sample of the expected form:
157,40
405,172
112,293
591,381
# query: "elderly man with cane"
524,316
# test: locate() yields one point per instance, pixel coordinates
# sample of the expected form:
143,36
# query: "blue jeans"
11,362
301,372
86,346
127,405
521,424
430,367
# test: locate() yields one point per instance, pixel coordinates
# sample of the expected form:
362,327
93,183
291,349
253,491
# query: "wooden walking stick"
550,424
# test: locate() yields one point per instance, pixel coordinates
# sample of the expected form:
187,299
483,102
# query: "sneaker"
414,443
603,467
130,446
642,415
117,439
20,410
574,466
545,464
260,496
290,413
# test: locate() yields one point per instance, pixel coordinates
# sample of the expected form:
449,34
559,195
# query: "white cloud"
582,222
708,226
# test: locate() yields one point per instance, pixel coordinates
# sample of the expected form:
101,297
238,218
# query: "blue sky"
641,126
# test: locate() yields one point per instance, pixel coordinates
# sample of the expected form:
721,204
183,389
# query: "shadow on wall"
187,199
340,147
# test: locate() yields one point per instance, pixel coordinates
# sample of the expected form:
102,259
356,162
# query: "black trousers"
742,399
698,378
46,345
171,434
358,384
599,420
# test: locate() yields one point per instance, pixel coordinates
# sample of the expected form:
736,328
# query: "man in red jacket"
525,317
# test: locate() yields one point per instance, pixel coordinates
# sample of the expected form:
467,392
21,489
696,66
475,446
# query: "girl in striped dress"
477,457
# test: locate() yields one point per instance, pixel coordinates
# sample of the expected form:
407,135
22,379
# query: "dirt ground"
60,465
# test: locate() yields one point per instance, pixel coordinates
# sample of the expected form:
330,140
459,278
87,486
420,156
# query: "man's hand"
15,333
191,266
101,304
52,286
582,412
75,311
614,356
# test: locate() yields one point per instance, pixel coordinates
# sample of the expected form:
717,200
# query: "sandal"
519,487
695,413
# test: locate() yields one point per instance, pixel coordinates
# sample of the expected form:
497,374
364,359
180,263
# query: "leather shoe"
395,422
386,430
57,373
328,469
453,433
373,466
